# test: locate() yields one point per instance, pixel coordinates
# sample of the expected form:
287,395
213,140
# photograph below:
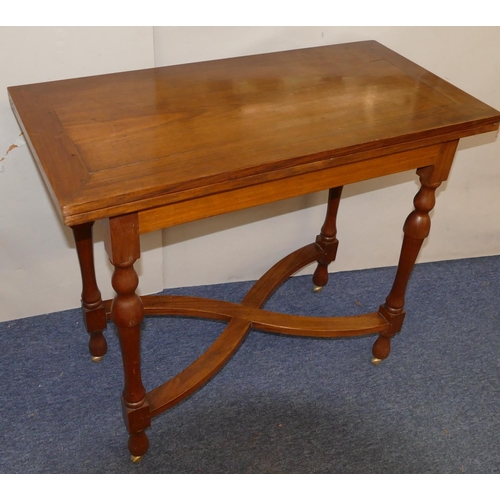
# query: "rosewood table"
149,149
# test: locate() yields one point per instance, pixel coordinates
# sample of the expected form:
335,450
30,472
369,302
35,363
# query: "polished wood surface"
327,239
124,142
150,149
127,312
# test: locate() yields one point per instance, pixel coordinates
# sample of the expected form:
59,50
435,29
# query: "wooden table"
145,150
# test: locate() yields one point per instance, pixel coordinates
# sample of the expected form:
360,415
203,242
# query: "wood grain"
124,142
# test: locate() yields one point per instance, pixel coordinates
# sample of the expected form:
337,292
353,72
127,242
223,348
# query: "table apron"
289,187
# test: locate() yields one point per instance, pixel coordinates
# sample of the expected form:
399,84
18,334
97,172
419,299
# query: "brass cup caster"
317,288
135,459
376,361
96,359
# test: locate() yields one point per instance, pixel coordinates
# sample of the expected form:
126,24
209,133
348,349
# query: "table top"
123,142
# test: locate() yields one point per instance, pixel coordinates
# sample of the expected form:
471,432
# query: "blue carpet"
282,404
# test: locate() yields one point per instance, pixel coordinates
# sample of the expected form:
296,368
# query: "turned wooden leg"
416,229
127,312
327,240
94,314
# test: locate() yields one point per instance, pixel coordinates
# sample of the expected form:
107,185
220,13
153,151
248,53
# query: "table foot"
376,361
97,343
317,289
381,349
138,444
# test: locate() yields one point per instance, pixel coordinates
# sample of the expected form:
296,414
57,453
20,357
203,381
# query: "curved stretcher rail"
242,317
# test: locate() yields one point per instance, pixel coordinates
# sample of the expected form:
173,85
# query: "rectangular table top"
123,142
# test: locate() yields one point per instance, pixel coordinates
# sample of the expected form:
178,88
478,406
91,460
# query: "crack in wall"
16,144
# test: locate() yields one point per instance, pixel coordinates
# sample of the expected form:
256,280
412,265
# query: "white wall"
38,265
243,245
39,270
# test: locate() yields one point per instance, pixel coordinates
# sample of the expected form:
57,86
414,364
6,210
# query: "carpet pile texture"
282,404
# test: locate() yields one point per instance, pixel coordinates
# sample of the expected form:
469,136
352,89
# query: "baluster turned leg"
327,240
127,312
416,229
94,314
